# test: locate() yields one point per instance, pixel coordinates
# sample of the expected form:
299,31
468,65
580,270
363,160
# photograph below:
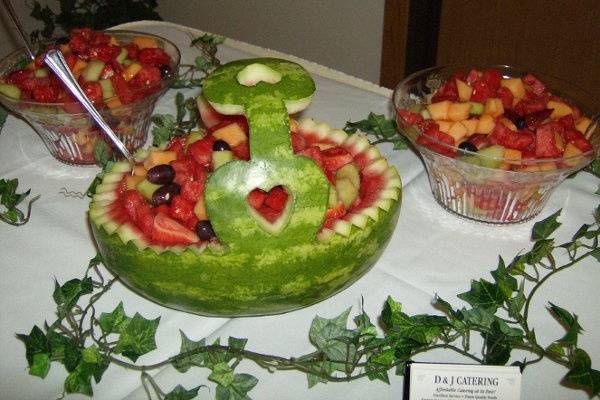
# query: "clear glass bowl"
69,133
485,194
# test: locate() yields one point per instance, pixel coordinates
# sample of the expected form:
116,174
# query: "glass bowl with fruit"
123,73
496,141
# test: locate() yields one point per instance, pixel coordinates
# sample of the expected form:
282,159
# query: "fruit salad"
495,141
122,73
510,123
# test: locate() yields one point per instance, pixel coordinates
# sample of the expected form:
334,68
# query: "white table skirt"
430,252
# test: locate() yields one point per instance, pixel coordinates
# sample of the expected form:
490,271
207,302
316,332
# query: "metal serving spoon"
56,62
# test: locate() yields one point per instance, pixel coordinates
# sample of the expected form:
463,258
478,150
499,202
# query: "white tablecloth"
431,252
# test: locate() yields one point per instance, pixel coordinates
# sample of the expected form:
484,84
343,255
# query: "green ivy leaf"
103,154
516,303
376,370
40,365
183,364
115,321
138,337
164,129
221,374
507,283
497,349
582,375
67,295
420,328
180,393
328,336
543,229
92,365
325,368
237,344
63,349
541,249
569,322
481,317
238,389
484,294
35,343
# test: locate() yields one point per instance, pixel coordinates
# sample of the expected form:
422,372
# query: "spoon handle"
55,60
15,19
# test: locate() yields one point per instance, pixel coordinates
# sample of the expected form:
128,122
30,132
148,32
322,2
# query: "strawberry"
448,91
536,118
276,198
154,56
410,118
122,89
492,78
481,91
201,150
79,46
508,138
132,51
545,140
472,77
567,121
181,209
534,84
578,139
506,97
104,53
192,190
145,219
177,144
335,158
256,198
45,94
147,76
169,232
99,39
93,91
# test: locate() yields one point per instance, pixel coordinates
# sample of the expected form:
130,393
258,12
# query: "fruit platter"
260,214
123,73
496,141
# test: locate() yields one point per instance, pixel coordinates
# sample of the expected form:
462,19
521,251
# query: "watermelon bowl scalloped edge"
213,282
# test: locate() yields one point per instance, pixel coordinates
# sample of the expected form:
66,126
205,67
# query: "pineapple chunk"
570,155
458,131
559,109
494,107
458,111
516,87
439,110
444,126
486,124
464,90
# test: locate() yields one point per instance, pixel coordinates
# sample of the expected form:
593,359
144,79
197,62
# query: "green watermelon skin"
248,283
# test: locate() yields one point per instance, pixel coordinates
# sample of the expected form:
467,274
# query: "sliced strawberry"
530,104
200,173
578,139
447,91
276,198
169,232
545,140
145,220
567,121
45,94
104,52
256,198
534,84
506,97
536,118
177,144
508,138
93,90
492,78
133,51
191,223
298,142
146,77
410,118
192,190
481,91
201,150
122,89
472,77
154,56
181,209
99,38
335,158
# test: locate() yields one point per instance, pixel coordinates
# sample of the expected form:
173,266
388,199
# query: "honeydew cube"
471,125
512,156
439,110
559,109
493,107
570,155
582,124
346,191
486,124
515,85
458,111
457,131
444,126
464,90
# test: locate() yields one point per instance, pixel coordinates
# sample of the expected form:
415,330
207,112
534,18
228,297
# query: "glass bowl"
491,189
69,132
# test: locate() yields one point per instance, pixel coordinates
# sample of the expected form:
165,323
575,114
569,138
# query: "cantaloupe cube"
145,42
493,107
559,142
444,126
512,156
509,124
200,209
139,170
530,168
131,70
464,90
570,155
559,109
132,180
457,131
439,110
515,85
505,166
471,125
233,134
486,124
458,111
158,157
547,166
582,124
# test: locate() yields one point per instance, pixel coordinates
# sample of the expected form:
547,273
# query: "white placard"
464,382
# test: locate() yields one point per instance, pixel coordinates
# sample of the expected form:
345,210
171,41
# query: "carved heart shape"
272,208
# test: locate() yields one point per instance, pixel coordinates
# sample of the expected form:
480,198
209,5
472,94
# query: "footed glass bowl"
481,185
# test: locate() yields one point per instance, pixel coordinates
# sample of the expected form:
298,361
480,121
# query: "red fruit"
104,53
132,200
314,152
529,105
177,144
276,198
256,198
567,121
298,142
86,34
336,212
71,60
192,190
506,97
472,77
410,118
169,232
132,51
93,90
508,138
268,213
79,46
45,94
200,173
183,165
578,139
335,158
545,140
481,91
147,76
181,209
122,90
534,84
448,91
154,56
99,38
231,119
492,78
201,150
242,151
209,116
536,118
460,75
145,220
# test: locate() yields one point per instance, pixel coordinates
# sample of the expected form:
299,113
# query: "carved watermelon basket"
254,265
